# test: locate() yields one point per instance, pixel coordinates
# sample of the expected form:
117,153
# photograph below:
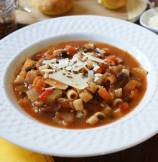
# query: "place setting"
78,80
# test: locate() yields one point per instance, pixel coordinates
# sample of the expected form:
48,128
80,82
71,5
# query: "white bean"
78,105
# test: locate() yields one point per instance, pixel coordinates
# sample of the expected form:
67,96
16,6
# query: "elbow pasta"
92,120
71,94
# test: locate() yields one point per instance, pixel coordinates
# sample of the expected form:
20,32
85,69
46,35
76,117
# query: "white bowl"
134,128
145,18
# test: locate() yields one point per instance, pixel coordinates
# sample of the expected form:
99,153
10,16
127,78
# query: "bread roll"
12,153
53,7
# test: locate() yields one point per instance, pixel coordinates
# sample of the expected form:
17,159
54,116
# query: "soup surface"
79,84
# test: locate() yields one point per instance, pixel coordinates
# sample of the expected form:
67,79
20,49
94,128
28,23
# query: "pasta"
79,84
85,96
92,120
71,94
78,105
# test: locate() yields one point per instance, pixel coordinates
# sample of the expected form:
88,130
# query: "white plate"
146,16
134,128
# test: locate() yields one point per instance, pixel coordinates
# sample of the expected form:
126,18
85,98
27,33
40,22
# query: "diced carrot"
38,83
49,54
131,85
71,50
45,94
104,94
133,93
35,80
98,70
111,60
101,69
49,57
124,106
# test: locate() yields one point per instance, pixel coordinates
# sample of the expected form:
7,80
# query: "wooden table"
84,7
145,152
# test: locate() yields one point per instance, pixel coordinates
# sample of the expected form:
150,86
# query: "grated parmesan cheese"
67,70
74,80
